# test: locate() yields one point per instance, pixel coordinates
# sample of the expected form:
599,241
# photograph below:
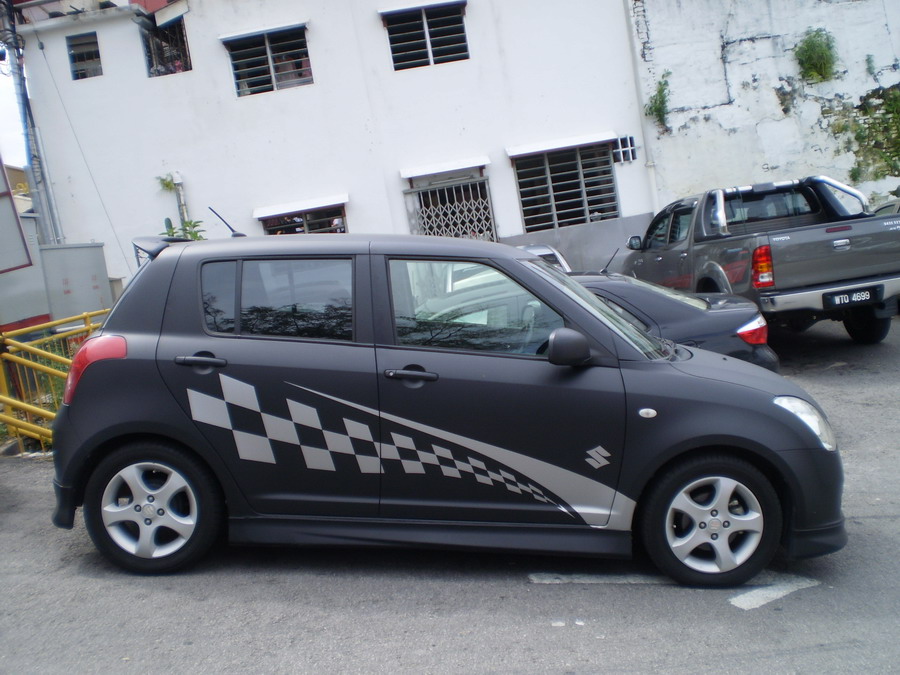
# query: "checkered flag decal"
305,427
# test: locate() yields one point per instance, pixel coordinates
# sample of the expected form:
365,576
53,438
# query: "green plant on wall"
167,182
871,131
657,106
816,55
189,229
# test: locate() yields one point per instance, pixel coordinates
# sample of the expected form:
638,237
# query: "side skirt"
431,534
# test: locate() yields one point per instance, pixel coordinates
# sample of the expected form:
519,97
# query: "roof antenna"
605,267
234,233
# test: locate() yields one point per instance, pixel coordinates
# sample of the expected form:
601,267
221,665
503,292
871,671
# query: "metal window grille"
166,49
625,150
460,210
424,37
84,56
316,221
567,187
276,60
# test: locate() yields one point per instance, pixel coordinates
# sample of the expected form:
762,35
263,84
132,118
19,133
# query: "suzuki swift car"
342,390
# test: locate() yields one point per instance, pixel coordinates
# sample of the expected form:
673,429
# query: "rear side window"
301,298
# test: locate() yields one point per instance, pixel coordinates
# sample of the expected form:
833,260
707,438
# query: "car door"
477,425
666,258
266,359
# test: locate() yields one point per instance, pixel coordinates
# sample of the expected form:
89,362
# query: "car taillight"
763,269
93,350
755,333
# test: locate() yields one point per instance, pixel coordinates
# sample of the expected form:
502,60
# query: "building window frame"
83,50
320,220
452,204
165,47
567,186
270,60
427,35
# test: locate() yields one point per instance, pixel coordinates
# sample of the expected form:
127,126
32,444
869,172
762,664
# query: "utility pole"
48,227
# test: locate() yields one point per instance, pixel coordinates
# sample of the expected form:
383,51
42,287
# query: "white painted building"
300,114
521,120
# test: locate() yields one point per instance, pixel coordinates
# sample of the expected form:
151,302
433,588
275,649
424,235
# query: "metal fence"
33,374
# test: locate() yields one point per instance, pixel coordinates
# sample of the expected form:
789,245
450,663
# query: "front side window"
467,306
84,56
276,60
296,298
427,36
311,221
166,48
567,187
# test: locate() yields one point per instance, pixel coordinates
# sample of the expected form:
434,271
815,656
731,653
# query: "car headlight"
811,417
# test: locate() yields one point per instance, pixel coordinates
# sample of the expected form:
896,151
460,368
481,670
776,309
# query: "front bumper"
820,541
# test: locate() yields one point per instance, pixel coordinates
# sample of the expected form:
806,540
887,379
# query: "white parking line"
766,587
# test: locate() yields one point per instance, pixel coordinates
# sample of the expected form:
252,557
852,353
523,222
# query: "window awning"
407,5
561,143
262,31
262,212
444,167
170,12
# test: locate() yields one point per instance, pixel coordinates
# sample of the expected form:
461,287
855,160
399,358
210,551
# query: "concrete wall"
536,75
739,111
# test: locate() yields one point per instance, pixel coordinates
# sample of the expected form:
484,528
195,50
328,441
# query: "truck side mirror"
568,347
635,243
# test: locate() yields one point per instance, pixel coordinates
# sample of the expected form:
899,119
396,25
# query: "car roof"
331,244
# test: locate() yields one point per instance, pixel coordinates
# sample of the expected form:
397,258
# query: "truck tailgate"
837,252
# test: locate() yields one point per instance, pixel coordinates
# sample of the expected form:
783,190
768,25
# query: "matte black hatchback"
340,390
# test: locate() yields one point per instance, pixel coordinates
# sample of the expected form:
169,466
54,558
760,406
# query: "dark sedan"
721,323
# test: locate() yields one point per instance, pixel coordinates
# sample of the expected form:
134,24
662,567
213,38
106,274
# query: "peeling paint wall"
739,111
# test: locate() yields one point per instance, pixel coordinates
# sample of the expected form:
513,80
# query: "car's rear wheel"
152,509
865,328
711,521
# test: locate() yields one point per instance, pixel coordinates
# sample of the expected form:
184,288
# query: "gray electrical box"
76,279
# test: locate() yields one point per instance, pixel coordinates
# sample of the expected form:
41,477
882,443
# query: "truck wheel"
711,521
865,328
152,509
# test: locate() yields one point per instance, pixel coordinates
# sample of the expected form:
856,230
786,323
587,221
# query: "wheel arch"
763,464
110,445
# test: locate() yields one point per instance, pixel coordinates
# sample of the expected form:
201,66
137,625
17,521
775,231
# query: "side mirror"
568,347
635,243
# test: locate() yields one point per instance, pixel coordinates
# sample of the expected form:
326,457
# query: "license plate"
856,296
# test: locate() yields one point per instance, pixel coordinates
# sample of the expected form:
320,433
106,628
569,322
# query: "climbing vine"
871,130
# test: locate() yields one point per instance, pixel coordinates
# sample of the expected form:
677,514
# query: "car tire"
152,509
865,328
711,521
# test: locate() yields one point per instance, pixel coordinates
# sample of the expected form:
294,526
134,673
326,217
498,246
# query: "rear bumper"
810,299
64,513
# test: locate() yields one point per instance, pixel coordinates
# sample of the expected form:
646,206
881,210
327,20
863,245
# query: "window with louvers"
84,56
567,187
427,36
271,61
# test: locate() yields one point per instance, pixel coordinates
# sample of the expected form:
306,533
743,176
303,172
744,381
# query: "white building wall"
537,74
727,60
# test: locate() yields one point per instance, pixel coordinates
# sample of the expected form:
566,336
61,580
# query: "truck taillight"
92,350
763,269
756,332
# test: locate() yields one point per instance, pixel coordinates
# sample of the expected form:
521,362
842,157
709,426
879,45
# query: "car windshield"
662,290
648,345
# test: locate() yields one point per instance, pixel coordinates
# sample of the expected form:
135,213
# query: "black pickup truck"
803,250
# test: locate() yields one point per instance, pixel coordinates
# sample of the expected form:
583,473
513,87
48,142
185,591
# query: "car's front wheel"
152,509
711,521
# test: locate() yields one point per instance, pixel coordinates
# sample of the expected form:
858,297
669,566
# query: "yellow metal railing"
33,375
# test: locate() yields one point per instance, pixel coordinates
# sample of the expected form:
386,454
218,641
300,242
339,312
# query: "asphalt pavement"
63,609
